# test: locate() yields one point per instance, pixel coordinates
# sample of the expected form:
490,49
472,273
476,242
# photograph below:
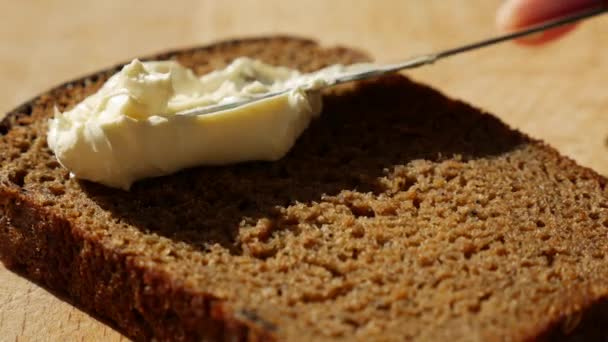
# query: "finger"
517,14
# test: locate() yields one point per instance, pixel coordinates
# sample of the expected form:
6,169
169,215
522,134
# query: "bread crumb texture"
399,215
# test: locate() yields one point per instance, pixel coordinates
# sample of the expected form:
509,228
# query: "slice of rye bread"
400,214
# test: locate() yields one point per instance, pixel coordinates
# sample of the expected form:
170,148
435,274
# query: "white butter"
129,129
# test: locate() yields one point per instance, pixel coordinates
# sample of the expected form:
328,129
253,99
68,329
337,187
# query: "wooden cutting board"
555,93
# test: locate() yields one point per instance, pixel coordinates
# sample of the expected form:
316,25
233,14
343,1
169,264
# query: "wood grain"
555,93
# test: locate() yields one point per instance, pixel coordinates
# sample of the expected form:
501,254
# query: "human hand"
516,14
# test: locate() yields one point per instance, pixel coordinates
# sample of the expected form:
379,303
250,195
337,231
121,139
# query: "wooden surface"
556,93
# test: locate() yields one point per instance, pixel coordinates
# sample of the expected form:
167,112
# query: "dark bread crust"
146,301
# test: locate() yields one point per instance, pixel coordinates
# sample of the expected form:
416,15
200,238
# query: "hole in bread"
57,189
407,183
17,177
357,232
353,323
416,202
48,202
27,109
22,145
24,111
462,181
53,164
549,255
23,119
362,211
598,255
46,178
468,250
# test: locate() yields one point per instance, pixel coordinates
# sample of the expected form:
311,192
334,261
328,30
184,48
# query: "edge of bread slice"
400,214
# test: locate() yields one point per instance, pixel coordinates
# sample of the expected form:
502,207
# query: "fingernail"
505,14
